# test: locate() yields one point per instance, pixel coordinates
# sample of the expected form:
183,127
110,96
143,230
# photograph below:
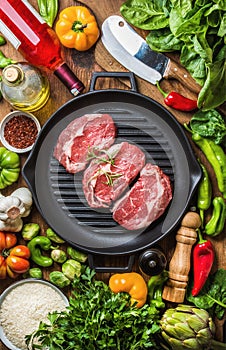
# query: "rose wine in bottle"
25,29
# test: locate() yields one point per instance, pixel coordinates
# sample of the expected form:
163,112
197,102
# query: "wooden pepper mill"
180,263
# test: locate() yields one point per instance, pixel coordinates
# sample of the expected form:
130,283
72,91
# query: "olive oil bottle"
25,87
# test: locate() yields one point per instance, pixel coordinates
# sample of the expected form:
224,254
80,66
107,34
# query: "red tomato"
3,267
17,264
20,250
7,240
10,272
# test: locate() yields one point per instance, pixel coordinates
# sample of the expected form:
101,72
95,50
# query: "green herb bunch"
97,318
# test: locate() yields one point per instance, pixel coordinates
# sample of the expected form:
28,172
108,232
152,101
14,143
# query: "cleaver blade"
132,51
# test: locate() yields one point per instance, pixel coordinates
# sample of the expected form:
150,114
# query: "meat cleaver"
132,51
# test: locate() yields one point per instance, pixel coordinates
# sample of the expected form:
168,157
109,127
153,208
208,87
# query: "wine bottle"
25,29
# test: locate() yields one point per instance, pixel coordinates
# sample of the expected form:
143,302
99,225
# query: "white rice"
24,307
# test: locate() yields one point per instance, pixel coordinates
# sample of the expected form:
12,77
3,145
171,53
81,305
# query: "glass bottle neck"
12,75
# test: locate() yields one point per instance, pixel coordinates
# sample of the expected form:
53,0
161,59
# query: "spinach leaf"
146,15
98,319
213,91
213,295
163,41
209,124
193,62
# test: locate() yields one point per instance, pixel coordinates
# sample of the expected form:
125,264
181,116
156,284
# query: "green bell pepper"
155,287
35,245
9,167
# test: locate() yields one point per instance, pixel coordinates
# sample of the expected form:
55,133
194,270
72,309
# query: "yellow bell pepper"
132,283
77,28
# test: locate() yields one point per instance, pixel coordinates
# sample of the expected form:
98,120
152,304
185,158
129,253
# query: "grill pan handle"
111,269
113,75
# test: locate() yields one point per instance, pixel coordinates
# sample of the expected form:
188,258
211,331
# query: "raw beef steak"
146,201
104,181
80,136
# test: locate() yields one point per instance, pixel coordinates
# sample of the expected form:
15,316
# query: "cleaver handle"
176,71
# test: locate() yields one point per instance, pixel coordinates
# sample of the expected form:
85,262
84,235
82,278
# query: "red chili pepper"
203,258
177,101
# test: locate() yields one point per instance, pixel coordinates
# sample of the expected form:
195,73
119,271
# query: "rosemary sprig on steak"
106,158
110,176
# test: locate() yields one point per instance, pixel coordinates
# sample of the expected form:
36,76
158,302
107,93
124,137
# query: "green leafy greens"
97,319
213,295
195,28
209,124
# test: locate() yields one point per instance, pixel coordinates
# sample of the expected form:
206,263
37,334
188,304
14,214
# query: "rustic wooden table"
84,64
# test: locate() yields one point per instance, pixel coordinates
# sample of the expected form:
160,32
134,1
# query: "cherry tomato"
7,240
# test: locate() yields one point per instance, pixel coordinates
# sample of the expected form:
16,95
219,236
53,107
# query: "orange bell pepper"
77,28
132,283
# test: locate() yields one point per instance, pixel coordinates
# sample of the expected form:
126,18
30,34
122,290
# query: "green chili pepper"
204,193
5,61
35,245
216,223
155,287
48,10
53,236
2,40
214,156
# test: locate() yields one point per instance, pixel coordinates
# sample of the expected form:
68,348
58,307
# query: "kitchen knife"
132,51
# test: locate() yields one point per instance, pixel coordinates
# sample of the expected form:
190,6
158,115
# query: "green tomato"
9,167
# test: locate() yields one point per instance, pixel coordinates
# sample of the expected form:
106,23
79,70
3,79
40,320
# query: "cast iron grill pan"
59,196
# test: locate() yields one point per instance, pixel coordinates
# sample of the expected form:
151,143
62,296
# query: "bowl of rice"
23,305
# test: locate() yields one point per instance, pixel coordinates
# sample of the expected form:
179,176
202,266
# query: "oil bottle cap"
12,74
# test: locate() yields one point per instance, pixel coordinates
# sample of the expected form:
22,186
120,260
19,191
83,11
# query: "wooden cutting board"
108,63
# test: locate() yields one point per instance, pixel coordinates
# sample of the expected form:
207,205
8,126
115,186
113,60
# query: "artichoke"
187,327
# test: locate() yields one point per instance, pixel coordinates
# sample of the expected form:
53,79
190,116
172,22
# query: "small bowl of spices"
19,131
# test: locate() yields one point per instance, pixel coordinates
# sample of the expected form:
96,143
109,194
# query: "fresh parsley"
97,319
